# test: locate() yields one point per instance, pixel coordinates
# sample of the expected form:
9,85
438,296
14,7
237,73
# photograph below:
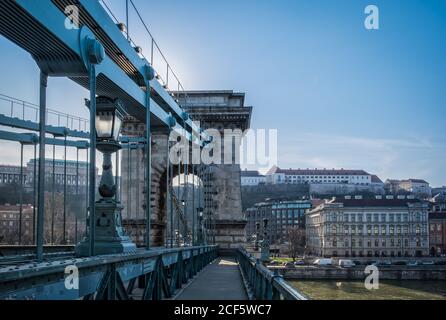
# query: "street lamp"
256,245
110,236
264,250
200,226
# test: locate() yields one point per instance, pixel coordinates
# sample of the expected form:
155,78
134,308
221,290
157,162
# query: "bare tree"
296,241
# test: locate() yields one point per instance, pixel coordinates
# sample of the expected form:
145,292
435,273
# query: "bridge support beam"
41,183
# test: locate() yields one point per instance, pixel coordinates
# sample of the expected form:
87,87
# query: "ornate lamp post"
256,245
200,239
264,251
109,235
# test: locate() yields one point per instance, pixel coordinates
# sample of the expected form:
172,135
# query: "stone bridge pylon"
217,110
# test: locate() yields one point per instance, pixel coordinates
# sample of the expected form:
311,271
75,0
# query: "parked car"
323,262
357,262
344,263
413,263
399,263
274,263
289,265
428,263
440,263
299,263
385,263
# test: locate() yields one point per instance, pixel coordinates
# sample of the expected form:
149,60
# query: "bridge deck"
220,280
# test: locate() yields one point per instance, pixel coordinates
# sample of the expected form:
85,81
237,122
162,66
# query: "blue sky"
340,95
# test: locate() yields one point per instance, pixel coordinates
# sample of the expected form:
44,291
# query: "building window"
417,216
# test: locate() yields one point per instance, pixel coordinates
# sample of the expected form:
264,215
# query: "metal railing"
166,79
263,283
27,111
159,272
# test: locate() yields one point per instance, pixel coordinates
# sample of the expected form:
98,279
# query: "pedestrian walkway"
220,280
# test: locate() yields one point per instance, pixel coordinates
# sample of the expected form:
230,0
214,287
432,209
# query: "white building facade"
252,178
318,176
368,228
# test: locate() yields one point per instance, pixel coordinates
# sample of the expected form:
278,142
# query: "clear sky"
341,96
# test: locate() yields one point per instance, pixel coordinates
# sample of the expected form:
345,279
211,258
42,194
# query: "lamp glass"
117,128
104,124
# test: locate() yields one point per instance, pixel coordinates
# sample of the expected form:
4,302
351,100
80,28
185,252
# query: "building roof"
437,215
375,202
439,198
332,172
376,179
406,180
415,181
251,173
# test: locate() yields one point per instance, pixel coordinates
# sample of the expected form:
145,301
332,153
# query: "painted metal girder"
30,138
39,28
34,126
106,30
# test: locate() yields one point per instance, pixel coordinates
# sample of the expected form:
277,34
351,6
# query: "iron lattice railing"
146,274
263,283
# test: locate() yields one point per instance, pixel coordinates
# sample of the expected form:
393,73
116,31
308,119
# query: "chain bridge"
149,227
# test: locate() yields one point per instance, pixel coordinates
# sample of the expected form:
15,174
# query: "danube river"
388,290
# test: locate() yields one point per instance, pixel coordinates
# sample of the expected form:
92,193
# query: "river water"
388,290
